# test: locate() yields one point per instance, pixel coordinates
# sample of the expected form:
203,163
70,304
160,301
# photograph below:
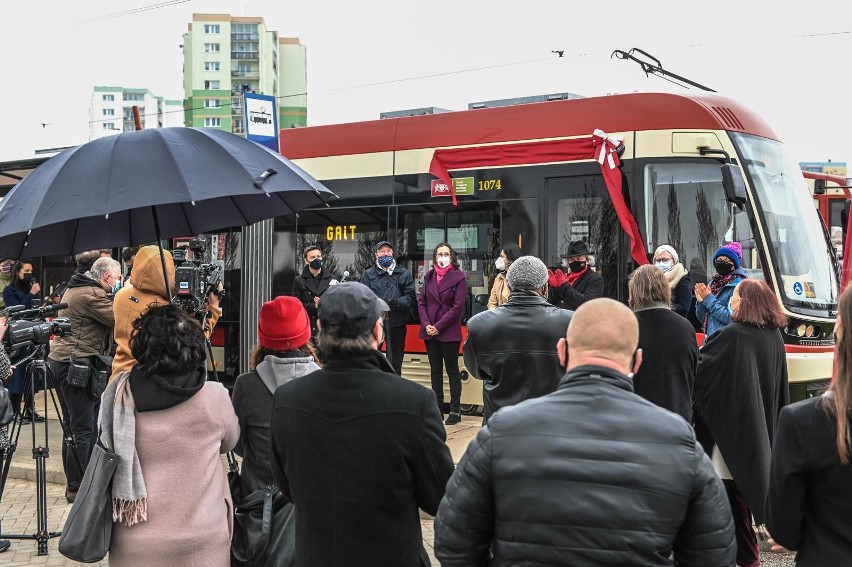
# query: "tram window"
345,236
688,211
473,232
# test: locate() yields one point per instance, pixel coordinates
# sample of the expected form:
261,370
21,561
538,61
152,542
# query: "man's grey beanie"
527,272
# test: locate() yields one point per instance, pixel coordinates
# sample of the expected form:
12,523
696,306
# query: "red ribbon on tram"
598,147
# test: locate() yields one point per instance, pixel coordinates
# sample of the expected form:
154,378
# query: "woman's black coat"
740,388
809,508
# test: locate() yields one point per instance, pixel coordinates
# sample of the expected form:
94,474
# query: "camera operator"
148,289
22,289
91,316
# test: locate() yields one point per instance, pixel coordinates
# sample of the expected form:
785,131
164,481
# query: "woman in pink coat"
441,305
171,502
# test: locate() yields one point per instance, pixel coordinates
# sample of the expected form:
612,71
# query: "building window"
212,103
211,48
211,65
133,96
212,122
211,28
211,85
109,112
108,126
108,98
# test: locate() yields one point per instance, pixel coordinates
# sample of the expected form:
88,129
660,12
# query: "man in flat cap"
358,449
513,349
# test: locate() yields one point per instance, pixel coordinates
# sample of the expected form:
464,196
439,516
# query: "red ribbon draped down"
597,147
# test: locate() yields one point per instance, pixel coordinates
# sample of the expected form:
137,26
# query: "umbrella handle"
162,256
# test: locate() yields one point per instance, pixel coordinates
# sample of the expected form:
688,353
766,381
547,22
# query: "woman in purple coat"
441,305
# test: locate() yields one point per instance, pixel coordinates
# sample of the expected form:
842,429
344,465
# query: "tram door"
579,208
473,231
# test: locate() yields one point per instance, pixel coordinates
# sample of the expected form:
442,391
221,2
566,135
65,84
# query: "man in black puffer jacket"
512,349
591,474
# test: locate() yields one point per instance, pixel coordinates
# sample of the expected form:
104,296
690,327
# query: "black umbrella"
147,185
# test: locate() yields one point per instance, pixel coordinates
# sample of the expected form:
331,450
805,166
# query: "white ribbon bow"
608,148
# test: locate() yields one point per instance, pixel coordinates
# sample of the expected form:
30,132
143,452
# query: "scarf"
572,277
717,284
129,495
675,274
441,272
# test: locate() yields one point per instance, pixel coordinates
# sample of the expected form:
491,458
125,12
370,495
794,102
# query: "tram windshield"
797,245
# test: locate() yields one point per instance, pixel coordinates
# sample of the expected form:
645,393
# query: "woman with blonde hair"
740,388
667,340
810,483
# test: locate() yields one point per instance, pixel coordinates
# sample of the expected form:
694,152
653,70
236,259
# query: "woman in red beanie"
284,352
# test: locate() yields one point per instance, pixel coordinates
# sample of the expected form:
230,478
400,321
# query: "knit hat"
528,273
733,251
669,249
283,324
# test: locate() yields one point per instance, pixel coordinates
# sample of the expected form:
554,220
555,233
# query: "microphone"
344,276
14,309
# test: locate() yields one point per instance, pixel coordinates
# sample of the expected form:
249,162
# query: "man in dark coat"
309,286
591,474
581,284
395,286
358,449
512,349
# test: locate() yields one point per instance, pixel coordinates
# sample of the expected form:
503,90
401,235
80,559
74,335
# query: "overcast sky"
789,64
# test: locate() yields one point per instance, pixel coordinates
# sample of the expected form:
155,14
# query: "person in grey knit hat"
512,348
527,273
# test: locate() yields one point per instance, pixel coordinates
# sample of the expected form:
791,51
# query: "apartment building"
111,111
226,56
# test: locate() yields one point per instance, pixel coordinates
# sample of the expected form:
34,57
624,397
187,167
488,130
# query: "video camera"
31,327
193,279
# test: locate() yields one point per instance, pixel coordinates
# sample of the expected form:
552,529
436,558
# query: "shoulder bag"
87,532
264,530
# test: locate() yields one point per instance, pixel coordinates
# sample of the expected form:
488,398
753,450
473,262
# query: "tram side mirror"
819,186
733,183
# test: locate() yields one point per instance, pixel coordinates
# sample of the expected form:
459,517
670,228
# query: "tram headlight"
809,331
800,330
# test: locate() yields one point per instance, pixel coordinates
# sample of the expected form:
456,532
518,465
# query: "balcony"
255,55
246,74
245,37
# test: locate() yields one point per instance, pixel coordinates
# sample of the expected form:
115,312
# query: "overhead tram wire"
132,11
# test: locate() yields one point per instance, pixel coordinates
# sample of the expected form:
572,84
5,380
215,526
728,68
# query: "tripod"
38,370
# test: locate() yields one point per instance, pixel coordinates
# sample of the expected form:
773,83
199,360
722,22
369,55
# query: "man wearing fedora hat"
357,448
581,284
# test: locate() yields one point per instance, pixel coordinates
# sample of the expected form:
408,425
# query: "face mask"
500,264
577,267
130,269
115,287
27,278
385,261
6,268
316,263
723,268
443,262
664,265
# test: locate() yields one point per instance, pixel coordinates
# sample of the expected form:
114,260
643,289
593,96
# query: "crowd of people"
610,435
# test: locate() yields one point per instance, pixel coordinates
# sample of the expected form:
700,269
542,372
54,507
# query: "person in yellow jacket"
147,289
